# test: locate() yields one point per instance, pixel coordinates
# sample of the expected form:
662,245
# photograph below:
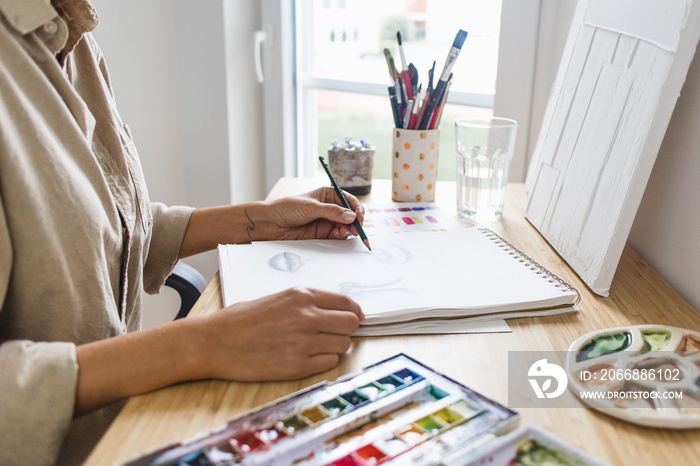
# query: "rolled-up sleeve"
169,226
37,387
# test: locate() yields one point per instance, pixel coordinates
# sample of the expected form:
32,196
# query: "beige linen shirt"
79,237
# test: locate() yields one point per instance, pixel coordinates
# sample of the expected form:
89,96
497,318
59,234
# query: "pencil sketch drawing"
401,255
286,262
357,290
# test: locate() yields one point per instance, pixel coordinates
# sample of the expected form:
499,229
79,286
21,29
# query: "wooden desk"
638,296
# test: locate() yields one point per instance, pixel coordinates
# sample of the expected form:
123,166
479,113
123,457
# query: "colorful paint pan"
336,406
406,376
372,391
645,374
396,411
689,342
371,454
354,398
411,434
430,424
390,383
245,442
271,435
604,344
448,416
655,339
315,414
293,424
349,460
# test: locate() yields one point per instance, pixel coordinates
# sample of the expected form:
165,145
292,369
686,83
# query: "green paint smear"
604,344
429,425
655,339
532,453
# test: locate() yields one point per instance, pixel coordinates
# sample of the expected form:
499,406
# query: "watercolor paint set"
645,374
397,411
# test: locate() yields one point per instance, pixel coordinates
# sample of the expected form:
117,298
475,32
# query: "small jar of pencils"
416,135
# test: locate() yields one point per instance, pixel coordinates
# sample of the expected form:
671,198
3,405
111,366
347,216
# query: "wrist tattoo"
250,227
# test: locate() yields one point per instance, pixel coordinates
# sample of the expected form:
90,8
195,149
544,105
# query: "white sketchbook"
406,278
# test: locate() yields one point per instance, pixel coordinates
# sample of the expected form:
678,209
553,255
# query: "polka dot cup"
414,163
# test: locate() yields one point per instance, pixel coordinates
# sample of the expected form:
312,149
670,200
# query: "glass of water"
484,151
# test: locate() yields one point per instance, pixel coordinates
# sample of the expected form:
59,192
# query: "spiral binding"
529,262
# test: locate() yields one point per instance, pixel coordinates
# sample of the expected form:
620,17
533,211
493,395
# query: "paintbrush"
436,95
414,109
441,106
413,73
431,72
404,68
344,200
426,98
390,64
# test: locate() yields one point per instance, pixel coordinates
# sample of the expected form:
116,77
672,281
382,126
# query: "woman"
80,239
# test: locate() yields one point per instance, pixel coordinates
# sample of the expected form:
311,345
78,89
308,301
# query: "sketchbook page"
620,76
405,276
387,218
435,326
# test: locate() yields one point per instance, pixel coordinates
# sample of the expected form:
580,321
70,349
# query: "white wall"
176,67
666,230
183,75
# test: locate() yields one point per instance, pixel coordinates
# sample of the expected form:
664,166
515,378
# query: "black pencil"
345,202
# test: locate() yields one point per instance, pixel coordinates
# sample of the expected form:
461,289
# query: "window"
342,77
319,87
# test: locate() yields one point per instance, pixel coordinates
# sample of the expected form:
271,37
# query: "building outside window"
342,74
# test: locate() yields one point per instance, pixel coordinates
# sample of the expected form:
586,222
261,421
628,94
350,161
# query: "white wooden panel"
621,73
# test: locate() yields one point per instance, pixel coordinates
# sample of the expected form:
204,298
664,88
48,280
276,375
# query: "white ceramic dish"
645,374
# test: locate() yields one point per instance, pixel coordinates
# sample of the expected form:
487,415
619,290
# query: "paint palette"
395,412
646,374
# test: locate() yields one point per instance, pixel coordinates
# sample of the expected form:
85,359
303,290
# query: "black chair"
189,284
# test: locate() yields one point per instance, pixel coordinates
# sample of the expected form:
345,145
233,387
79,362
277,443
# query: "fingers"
356,206
328,196
339,322
338,302
287,335
336,213
341,232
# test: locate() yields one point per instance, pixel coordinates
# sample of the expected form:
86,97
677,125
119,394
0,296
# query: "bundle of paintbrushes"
409,110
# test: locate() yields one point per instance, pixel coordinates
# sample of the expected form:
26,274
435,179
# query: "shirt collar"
27,15
80,16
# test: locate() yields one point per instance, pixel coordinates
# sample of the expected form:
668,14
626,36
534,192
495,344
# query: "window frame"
288,95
